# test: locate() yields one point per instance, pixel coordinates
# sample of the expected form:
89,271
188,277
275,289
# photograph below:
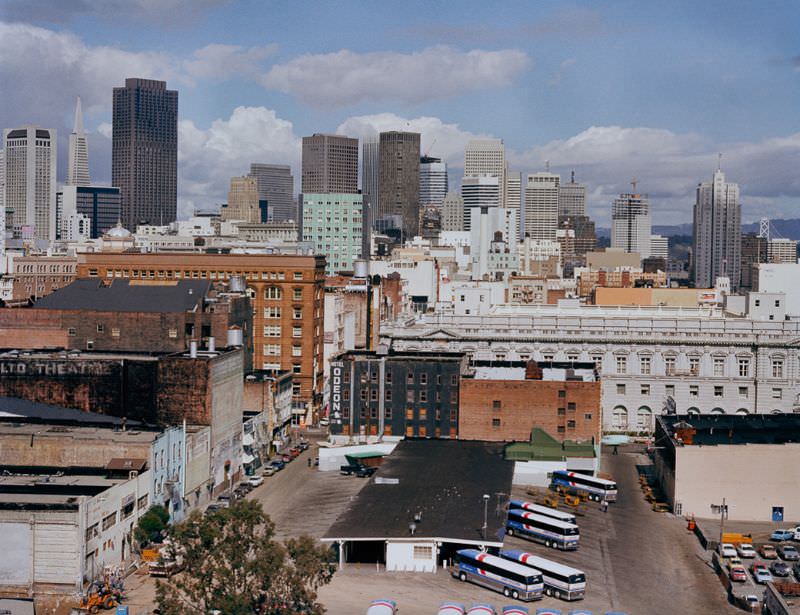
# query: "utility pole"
485,515
723,512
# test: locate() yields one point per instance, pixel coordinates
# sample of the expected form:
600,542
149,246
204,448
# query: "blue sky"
611,89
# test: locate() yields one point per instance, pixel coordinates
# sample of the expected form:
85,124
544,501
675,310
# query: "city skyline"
537,81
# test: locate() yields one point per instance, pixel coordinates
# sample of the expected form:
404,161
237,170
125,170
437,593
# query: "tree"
151,524
232,563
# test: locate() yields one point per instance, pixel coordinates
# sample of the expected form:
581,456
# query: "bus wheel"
558,594
462,576
515,595
506,592
548,591
554,545
510,531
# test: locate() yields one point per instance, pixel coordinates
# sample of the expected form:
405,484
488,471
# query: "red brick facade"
507,410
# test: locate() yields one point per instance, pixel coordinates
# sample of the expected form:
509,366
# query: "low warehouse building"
429,499
750,462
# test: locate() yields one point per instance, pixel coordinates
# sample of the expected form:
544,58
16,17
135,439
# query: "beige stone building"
243,200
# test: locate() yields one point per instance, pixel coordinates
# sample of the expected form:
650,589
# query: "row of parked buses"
389,607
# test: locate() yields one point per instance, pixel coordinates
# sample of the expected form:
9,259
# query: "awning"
247,439
247,458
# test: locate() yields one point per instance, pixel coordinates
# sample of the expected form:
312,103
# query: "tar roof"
123,296
445,481
13,408
710,429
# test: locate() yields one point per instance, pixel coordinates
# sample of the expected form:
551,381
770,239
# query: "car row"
792,533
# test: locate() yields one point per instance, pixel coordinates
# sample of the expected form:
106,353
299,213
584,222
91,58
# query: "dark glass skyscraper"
398,180
144,157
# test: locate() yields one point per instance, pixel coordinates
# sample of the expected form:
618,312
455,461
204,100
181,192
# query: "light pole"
485,514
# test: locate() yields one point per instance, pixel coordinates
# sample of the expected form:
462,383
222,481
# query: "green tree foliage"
150,524
232,563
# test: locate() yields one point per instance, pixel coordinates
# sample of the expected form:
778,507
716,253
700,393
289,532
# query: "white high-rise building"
432,181
370,174
540,210
30,172
659,247
487,157
78,169
782,250
493,242
2,211
513,189
630,224
452,212
479,191
572,198
717,241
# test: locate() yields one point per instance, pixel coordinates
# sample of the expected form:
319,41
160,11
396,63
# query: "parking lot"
636,561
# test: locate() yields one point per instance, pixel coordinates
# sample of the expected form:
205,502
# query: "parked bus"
598,488
451,608
560,581
512,579
481,609
382,607
547,511
546,530
515,610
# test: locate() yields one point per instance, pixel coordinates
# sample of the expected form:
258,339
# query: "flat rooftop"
716,429
15,410
445,481
78,432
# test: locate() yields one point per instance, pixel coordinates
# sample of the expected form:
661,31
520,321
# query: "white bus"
451,608
546,530
598,488
512,579
560,581
547,511
382,607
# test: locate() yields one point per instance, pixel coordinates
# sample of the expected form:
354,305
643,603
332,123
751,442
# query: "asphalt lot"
636,561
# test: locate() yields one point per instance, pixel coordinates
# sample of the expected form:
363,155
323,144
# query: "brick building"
143,316
39,275
286,293
404,394
507,403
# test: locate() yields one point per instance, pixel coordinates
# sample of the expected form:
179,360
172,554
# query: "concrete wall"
69,449
536,472
400,556
751,477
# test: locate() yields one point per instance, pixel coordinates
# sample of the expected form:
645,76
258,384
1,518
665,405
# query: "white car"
746,550
726,549
256,481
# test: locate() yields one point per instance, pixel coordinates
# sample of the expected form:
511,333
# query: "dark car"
796,569
788,553
365,471
278,464
780,569
303,446
353,468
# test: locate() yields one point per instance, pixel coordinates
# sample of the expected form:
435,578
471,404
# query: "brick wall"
507,410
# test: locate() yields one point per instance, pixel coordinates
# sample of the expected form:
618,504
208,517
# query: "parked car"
214,507
359,469
789,553
734,561
726,549
224,500
245,486
746,550
285,457
268,471
781,535
752,602
738,574
780,569
797,533
278,464
768,552
303,445
324,422
256,481
761,574
796,570
294,452
365,471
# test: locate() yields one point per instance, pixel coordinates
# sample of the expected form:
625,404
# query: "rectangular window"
423,552
373,395
363,394
297,294
410,397
777,393
388,377
496,404
298,275
562,412
387,394
670,390
622,365
645,389
272,330
423,414
669,366
694,365
127,510
620,389
719,366
694,390
719,391
297,314
272,292
91,532
744,368
71,331
272,312
297,332
571,424
423,395
571,406
388,414
561,429
409,414
588,416
777,368
297,351
142,504
495,422
743,392
644,365
454,380
423,378
102,328
114,331
272,350
109,521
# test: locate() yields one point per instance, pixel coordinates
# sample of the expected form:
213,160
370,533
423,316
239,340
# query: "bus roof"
586,477
547,511
539,563
510,566
451,608
518,512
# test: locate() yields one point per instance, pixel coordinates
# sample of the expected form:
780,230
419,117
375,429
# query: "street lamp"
485,514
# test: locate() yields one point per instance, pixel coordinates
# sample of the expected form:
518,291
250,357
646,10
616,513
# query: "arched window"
619,418
693,411
776,411
742,411
718,411
644,419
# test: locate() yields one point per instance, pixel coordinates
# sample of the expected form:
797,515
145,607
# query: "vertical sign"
336,392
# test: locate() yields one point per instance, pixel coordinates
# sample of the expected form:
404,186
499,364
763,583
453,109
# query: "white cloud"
345,77
225,61
445,141
207,159
668,166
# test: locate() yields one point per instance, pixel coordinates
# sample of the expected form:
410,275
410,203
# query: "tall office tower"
78,170
398,180
332,222
276,187
514,189
630,223
717,245
782,250
243,201
330,164
487,157
370,173
754,251
30,177
144,151
432,181
585,237
479,191
100,205
572,198
452,212
2,211
540,211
